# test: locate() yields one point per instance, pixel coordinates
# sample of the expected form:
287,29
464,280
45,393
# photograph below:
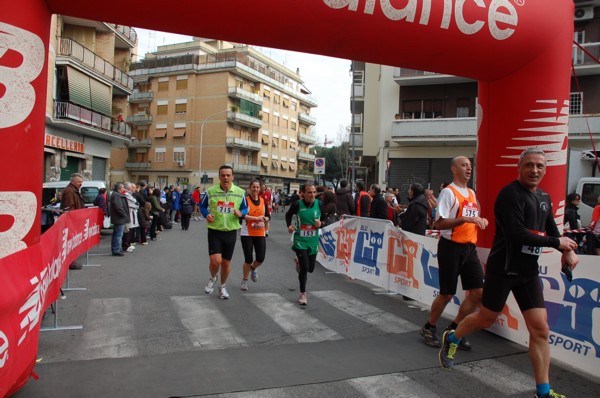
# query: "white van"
89,191
589,190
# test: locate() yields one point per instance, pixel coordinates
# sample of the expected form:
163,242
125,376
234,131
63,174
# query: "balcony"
144,143
578,128
308,138
244,120
234,142
307,119
89,123
245,168
305,175
240,93
308,100
138,165
139,97
69,51
140,120
584,64
413,77
308,157
126,37
441,131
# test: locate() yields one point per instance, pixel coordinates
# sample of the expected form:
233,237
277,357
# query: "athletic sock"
542,389
429,326
453,326
452,338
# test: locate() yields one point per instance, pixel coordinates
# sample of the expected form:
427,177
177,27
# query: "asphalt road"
149,330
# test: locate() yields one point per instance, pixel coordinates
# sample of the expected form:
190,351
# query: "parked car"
89,191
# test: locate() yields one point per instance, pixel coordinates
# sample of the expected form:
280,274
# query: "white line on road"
391,385
382,320
296,322
208,328
498,376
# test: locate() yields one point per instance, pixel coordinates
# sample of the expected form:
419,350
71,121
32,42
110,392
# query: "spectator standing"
572,217
458,219
329,208
156,211
101,202
196,196
132,227
378,206
391,209
223,206
414,218
119,216
303,219
344,201
276,199
524,225
595,229
187,207
176,205
363,200
73,200
145,220
252,233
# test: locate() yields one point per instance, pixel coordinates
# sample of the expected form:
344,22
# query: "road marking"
208,328
498,376
391,385
296,322
109,330
382,320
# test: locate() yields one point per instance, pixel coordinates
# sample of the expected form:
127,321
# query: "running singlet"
253,227
306,236
524,226
467,207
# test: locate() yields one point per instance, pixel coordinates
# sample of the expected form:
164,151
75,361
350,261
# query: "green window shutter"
101,97
79,87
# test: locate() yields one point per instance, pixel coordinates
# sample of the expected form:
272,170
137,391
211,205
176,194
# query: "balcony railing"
306,156
234,142
243,119
72,49
306,118
138,165
310,139
140,120
139,97
462,130
143,143
308,100
126,31
245,168
305,174
67,110
240,93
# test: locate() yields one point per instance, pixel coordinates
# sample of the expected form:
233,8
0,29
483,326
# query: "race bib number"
308,231
533,250
225,207
470,209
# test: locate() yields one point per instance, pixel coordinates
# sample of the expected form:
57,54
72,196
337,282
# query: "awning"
160,133
74,155
264,162
292,167
275,164
179,133
275,143
283,166
265,140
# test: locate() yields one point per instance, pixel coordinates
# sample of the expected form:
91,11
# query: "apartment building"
409,124
201,104
86,103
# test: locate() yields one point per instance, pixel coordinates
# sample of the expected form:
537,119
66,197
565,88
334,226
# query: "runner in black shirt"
524,225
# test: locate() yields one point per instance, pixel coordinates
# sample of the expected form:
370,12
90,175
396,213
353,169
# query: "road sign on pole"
319,165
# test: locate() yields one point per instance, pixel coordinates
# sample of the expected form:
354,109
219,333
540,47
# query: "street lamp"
201,140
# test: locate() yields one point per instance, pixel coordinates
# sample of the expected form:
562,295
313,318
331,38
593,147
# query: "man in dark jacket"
73,200
344,202
379,207
414,219
362,200
119,216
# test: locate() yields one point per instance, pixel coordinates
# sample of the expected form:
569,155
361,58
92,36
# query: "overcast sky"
327,78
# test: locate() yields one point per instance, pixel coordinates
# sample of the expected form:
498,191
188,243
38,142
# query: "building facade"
409,124
201,104
87,95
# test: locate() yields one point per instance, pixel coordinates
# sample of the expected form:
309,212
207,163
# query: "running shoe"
430,336
144,243
210,286
464,344
254,275
447,351
223,294
130,249
302,300
551,394
244,285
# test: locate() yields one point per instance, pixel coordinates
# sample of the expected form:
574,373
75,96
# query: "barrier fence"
31,282
406,263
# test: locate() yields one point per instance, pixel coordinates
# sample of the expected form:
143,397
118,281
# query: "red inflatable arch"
518,50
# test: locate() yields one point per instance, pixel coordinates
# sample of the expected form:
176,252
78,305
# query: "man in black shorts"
524,225
459,220
223,206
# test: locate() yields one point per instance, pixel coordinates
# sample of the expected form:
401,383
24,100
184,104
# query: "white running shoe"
254,275
130,249
302,300
244,285
210,286
223,294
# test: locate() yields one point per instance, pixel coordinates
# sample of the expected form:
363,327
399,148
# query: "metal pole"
201,141
353,108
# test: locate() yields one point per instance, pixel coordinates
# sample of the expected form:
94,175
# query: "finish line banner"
405,263
31,281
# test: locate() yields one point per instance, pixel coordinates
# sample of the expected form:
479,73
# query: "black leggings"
307,264
256,243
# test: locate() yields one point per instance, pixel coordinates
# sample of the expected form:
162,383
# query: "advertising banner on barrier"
31,281
390,258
